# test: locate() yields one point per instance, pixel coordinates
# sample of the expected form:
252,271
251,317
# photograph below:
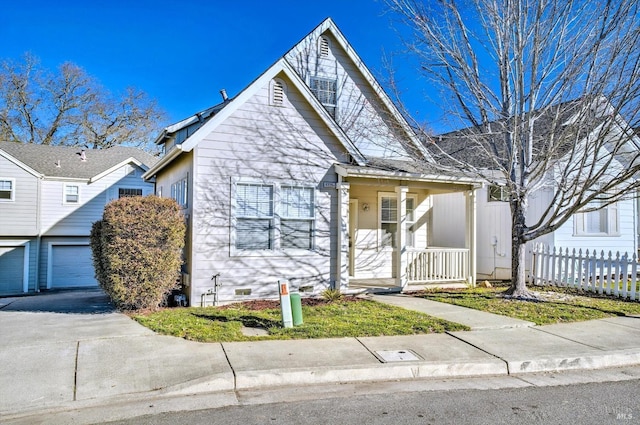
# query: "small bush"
331,295
137,250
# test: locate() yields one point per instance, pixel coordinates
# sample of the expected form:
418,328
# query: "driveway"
64,347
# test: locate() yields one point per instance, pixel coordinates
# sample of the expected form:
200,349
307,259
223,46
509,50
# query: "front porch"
426,268
387,226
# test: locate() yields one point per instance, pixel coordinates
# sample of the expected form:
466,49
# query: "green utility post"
296,309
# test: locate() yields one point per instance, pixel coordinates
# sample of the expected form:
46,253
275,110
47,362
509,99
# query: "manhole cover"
387,356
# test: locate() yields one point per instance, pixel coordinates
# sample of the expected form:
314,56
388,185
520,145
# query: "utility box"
296,309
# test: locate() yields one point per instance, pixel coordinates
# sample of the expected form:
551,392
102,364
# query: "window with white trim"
325,90
272,217
254,216
7,189
297,217
498,193
602,222
179,192
388,207
71,193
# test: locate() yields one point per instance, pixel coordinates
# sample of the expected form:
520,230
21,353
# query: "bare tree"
546,93
69,107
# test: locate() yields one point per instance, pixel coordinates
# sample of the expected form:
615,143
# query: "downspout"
36,287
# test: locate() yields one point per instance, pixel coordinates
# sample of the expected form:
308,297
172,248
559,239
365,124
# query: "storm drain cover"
387,356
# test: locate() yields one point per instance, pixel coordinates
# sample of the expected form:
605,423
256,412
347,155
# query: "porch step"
475,319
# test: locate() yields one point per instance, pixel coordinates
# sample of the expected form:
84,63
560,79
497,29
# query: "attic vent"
323,46
278,92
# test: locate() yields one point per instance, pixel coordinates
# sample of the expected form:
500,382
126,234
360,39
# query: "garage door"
72,267
11,269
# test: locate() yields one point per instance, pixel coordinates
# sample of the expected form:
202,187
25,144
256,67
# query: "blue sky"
183,52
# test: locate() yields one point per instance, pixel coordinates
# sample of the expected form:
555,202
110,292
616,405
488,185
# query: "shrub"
331,295
137,250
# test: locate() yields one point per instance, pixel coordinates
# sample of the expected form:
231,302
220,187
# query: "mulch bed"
257,305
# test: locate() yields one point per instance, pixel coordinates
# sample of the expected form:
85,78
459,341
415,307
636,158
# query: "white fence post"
593,271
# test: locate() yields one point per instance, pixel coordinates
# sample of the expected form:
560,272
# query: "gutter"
173,153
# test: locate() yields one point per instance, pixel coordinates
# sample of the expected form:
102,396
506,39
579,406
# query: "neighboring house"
49,198
613,228
307,176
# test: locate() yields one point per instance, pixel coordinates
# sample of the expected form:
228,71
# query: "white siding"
359,110
623,242
275,144
19,217
65,219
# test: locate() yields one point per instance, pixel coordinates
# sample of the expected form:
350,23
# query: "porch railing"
589,271
437,265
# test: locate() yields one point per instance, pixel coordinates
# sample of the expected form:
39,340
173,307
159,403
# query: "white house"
49,198
613,228
307,176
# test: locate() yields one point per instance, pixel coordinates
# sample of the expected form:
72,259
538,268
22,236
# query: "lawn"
348,317
560,306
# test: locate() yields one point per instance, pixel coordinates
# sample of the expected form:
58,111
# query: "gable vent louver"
278,93
324,46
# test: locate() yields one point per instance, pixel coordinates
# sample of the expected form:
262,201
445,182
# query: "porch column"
342,228
470,236
401,237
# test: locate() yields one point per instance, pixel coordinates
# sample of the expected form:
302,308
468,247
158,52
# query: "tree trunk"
518,288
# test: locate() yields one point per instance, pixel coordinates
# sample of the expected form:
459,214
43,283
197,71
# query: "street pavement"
69,350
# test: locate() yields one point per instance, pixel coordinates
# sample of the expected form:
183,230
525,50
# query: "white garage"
13,269
70,266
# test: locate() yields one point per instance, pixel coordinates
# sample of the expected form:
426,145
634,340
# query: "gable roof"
65,161
281,67
329,26
206,121
559,120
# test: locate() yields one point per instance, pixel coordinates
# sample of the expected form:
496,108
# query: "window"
326,91
296,223
389,220
272,217
71,194
7,189
603,221
254,226
498,193
125,192
179,192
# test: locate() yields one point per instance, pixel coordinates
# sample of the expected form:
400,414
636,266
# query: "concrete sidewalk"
71,350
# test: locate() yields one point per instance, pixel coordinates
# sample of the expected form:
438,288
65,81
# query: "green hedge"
137,250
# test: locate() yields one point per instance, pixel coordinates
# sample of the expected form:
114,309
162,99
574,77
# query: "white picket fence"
614,275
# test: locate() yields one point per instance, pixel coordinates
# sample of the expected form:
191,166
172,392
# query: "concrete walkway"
71,350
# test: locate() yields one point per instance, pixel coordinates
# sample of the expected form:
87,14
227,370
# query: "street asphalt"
68,350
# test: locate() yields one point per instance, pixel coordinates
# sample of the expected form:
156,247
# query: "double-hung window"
389,220
274,217
7,189
297,217
603,221
255,216
325,90
71,193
